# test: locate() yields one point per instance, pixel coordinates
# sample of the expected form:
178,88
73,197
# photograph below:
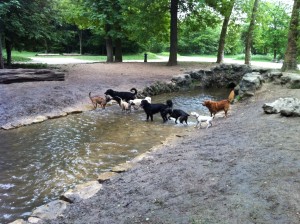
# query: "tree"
173,33
250,33
225,8
73,12
27,21
290,58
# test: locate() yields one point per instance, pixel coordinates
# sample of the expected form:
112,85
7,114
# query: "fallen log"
8,76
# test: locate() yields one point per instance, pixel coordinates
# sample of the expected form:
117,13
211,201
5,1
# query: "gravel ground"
244,169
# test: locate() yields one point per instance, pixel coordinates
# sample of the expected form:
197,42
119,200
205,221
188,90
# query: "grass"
24,56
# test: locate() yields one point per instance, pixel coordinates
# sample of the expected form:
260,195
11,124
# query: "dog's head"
206,103
144,103
195,114
107,98
109,92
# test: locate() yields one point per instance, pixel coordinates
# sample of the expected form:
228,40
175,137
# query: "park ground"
244,169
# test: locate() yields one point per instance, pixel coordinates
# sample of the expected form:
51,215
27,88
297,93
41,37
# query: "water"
39,162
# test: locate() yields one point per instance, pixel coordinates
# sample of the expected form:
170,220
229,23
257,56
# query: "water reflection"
41,161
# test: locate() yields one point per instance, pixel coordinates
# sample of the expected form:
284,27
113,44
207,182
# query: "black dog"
177,113
126,96
151,109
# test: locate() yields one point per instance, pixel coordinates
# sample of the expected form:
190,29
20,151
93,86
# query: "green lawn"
23,56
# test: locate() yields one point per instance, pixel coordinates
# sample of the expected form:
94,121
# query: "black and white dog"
151,109
126,96
177,113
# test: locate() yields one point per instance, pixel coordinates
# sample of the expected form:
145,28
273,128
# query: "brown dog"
98,100
217,106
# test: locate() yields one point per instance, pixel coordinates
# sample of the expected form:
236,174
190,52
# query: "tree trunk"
1,56
118,52
173,34
109,50
80,41
8,46
275,54
250,33
290,57
220,57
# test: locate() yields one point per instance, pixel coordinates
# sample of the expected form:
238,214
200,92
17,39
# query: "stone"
81,192
106,176
284,106
123,167
48,211
19,221
250,83
182,80
291,79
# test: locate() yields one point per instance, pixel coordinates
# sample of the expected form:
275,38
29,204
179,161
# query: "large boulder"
284,106
250,83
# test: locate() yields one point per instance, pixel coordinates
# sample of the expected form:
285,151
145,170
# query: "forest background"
122,27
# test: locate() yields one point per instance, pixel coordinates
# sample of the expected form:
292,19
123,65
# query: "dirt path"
245,169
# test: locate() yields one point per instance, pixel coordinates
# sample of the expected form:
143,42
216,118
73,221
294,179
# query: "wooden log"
8,76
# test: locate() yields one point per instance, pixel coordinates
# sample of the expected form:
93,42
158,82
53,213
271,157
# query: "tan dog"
217,106
98,100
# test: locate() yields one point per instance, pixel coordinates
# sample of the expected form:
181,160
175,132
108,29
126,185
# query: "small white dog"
137,102
124,105
201,119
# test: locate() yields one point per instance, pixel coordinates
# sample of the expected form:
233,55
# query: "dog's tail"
231,96
169,103
134,90
90,96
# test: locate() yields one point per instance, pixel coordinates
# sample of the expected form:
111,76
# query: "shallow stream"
39,162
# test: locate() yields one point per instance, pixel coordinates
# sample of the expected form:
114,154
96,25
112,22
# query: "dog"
137,102
177,113
123,104
151,109
98,100
123,95
217,106
201,119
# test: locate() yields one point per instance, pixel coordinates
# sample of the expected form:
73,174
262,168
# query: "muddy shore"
244,169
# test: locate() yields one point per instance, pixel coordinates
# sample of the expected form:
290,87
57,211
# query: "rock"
183,80
81,192
250,83
274,76
106,176
18,221
123,167
291,79
48,211
8,76
284,106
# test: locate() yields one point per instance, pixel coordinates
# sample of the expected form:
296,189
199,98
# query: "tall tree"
290,57
250,33
225,8
173,34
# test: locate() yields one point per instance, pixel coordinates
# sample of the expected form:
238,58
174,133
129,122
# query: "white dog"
137,102
124,105
201,119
